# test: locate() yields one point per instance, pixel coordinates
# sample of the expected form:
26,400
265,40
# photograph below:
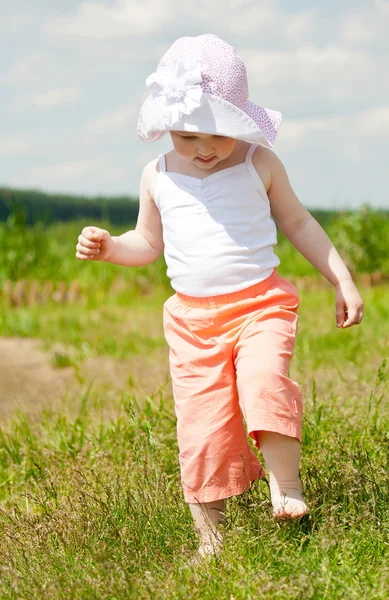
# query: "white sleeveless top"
218,231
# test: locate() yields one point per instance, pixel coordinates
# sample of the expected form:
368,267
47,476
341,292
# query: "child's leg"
282,457
216,459
207,516
270,400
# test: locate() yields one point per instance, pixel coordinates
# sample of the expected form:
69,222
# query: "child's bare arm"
299,226
144,244
305,233
140,246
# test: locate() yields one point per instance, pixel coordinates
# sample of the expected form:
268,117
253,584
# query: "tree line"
41,207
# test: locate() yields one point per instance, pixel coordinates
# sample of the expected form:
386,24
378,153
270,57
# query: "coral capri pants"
229,356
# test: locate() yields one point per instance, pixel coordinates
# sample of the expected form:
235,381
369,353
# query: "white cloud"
263,22
367,26
356,31
37,68
238,3
15,22
101,21
13,145
62,172
114,123
374,121
71,176
46,99
329,75
296,133
55,97
119,19
239,17
301,25
353,136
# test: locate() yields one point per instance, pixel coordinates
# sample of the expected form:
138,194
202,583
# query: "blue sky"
72,79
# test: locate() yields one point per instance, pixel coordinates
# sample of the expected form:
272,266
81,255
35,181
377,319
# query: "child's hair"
200,85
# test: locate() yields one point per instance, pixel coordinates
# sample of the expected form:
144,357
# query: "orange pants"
230,355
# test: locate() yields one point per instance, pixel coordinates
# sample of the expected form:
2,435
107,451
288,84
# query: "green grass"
94,510
91,507
90,500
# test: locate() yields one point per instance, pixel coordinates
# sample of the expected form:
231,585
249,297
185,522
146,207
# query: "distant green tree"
23,248
362,237
49,208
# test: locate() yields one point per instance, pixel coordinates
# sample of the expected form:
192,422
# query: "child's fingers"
87,251
95,234
89,232
91,243
354,317
349,305
340,314
81,256
83,252
87,243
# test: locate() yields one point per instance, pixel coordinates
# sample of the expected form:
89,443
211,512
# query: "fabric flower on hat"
177,89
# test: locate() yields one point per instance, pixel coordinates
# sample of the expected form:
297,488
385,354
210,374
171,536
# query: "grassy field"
90,499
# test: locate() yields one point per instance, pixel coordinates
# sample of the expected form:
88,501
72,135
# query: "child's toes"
288,502
290,511
208,550
205,552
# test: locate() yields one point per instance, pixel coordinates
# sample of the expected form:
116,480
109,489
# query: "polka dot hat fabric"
223,72
224,82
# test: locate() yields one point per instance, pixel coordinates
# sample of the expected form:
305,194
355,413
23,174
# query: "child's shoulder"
266,163
151,169
149,176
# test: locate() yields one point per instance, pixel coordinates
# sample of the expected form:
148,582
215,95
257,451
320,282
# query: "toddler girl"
209,204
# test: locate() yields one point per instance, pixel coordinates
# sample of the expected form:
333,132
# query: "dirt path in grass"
29,382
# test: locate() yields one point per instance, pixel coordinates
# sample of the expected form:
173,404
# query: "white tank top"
218,231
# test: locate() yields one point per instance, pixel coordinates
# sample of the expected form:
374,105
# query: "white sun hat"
200,85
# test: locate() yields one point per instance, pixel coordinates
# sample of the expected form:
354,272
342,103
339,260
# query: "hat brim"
215,117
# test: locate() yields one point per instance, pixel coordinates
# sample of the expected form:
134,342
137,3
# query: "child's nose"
206,149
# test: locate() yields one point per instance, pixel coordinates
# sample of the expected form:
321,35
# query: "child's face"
202,149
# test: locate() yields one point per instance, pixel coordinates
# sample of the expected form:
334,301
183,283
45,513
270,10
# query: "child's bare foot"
208,518
211,546
208,549
287,499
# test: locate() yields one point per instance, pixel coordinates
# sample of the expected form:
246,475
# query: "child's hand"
94,244
349,304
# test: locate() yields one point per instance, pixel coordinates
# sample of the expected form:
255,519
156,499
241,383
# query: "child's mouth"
205,161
